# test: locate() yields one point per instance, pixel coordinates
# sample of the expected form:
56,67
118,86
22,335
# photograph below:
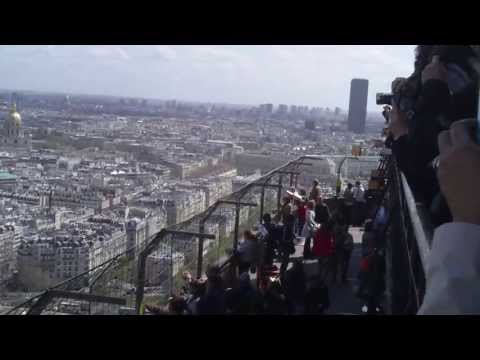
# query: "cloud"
313,75
108,52
165,53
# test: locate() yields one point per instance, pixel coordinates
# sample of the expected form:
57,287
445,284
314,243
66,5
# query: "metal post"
339,172
262,203
279,193
140,281
237,224
200,250
171,265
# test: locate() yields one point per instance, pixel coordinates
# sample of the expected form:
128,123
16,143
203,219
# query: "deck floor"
342,296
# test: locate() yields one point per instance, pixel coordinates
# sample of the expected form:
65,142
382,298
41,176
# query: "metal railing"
408,235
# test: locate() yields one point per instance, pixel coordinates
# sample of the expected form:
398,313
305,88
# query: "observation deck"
151,272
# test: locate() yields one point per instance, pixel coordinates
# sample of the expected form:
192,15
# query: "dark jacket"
286,244
295,284
322,213
213,302
436,109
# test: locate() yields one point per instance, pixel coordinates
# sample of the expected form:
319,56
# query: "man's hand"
459,171
435,70
398,125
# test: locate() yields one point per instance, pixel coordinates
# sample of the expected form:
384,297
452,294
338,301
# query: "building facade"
13,136
357,111
8,257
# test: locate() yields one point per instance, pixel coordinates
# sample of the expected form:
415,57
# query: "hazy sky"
302,75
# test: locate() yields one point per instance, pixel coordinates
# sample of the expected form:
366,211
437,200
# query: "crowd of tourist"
281,290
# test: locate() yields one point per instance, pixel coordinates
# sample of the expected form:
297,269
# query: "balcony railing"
408,235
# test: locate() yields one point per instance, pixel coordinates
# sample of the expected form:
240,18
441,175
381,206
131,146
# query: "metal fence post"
279,193
262,203
171,265
140,281
237,225
200,249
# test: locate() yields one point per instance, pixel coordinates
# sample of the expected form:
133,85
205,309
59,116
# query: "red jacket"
302,211
323,243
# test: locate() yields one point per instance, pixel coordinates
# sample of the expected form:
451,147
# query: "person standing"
271,233
286,209
340,229
359,203
309,229
315,193
295,289
346,255
301,215
213,302
317,298
348,201
322,212
324,248
247,252
286,244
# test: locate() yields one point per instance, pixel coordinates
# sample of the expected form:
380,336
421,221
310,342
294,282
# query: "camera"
404,102
384,99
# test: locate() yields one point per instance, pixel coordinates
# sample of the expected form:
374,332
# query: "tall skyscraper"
357,111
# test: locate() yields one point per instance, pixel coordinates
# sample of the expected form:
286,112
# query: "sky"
310,75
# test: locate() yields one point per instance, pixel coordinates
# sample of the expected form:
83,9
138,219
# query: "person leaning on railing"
453,269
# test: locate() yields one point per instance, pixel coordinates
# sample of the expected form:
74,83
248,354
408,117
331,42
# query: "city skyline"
247,75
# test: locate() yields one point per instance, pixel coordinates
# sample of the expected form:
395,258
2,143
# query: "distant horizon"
230,74
20,91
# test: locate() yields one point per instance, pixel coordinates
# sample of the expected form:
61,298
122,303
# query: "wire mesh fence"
106,289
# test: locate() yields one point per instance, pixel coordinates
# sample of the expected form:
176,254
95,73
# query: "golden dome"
14,117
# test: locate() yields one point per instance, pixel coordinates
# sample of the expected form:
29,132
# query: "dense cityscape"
85,178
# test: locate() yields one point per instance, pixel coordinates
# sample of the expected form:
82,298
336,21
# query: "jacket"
301,212
310,224
315,193
435,110
248,251
322,213
453,271
323,243
348,196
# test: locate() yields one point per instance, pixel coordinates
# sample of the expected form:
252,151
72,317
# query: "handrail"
408,240
422,226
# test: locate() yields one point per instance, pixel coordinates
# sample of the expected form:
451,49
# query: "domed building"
13,137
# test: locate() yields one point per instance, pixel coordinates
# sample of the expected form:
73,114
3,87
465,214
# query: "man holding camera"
438,93
447,93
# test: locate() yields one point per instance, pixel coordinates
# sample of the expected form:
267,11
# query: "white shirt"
453,271
358,193
310,224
